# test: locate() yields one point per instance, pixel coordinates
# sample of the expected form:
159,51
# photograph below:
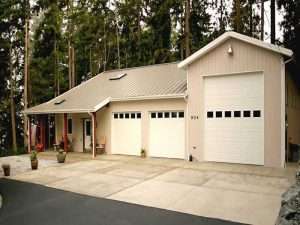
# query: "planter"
6,169
34,164
61,157
143,153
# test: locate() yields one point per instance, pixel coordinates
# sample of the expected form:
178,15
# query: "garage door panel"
167,137
234,139
126,136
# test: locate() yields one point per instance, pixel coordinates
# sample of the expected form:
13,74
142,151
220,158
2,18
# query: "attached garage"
236,101
233,123
126,133
167,134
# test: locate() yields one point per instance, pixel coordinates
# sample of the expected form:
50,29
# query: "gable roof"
224,37
147,82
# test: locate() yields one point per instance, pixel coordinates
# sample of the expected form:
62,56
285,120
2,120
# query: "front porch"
72,132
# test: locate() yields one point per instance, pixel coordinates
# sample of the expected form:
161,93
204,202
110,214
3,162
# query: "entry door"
167,134
234,118
126,135
87,134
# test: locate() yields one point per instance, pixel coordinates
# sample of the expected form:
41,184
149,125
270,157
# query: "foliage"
33,155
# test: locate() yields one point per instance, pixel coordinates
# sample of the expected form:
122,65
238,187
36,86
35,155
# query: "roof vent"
59,101
118,77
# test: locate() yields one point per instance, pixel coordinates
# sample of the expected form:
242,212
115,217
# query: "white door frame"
85,137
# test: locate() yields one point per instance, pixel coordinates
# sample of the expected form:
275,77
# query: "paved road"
27,203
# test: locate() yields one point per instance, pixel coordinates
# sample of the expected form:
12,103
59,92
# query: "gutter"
107,101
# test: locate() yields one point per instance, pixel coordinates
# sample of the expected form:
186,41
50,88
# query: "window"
174,114
227,114
153,115
132,116
181,114
219,114
256,113
88,128
159,115
247,113
121,116
237,113
126,115
116,115
210,114
69,126
167,115
138,115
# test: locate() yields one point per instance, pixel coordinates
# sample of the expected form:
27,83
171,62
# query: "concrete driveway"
246,194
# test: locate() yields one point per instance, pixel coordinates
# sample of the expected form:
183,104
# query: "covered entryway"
234,118
126,131
167,134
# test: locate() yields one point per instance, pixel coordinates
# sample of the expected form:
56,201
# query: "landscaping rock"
290,205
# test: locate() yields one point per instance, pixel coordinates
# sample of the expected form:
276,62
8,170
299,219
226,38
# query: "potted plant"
143,153
6,169
61,156
34,160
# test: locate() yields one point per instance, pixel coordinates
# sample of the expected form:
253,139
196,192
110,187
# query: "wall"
245,58
293,111
104,120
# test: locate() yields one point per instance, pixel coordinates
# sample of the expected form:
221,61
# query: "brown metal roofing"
148,82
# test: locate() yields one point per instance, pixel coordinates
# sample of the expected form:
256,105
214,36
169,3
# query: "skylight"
60,101
118,77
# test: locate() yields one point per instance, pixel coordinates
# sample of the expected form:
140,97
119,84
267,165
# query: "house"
227,102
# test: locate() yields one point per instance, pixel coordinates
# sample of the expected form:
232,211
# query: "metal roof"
198,54
140,83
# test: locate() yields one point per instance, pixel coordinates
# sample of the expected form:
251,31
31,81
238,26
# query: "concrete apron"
246,197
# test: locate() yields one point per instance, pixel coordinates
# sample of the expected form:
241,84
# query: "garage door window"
210,114
237,113
227,114
247,113
166,115
128,115
256,113
219,114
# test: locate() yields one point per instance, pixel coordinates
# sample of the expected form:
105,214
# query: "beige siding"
104,120
245,58
293,111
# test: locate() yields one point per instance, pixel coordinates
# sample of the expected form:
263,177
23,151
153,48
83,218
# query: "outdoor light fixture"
230,50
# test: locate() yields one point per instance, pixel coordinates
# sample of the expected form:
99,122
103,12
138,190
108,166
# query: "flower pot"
61,157
6,170
143,154
34,164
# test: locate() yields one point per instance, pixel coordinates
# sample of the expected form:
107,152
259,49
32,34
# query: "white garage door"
234,124
126,133
167,134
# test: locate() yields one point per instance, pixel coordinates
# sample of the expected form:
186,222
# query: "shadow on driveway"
26,203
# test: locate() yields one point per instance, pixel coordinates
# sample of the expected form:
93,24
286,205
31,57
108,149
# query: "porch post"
94,122
29,134
65,133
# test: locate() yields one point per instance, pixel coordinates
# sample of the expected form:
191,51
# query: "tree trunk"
238,16
187,28
262,20
26,76
12,103
273,22
222,25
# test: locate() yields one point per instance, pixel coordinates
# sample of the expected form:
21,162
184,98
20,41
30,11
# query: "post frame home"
227,102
